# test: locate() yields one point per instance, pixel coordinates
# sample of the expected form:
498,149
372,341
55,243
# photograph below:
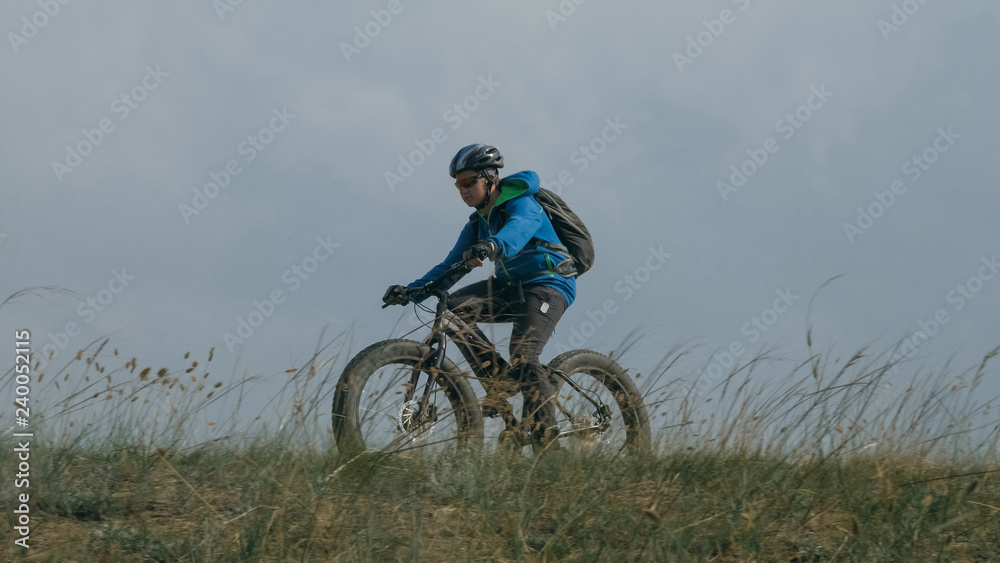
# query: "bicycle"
386,398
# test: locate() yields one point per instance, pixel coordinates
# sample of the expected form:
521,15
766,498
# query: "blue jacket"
521,220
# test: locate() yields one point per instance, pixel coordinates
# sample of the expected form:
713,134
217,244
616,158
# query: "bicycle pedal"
497,408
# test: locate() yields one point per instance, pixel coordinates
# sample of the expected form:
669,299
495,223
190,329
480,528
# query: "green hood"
510,188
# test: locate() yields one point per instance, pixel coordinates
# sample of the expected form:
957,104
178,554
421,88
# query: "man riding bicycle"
531,286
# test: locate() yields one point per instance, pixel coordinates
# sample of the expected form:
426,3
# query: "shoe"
493,407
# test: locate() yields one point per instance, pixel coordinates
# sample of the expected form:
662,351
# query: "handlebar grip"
395,296
405,294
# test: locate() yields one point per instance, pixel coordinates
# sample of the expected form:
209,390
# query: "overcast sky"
728,156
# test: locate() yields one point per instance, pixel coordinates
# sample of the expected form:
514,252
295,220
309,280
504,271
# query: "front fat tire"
616,380
347,396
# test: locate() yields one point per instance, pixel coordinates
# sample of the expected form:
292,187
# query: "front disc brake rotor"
411,418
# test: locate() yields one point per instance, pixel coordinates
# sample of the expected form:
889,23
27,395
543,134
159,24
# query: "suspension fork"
433,362
432,365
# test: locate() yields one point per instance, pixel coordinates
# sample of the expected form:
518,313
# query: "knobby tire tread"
639,437
346,431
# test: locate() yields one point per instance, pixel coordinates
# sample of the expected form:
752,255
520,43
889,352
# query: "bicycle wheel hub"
412,417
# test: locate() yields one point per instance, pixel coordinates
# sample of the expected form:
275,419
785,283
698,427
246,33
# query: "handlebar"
432,287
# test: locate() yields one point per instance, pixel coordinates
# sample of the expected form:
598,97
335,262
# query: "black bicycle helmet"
475,157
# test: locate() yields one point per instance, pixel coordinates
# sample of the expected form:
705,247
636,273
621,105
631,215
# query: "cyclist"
511,229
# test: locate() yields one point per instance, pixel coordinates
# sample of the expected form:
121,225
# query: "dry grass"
270,504
826,463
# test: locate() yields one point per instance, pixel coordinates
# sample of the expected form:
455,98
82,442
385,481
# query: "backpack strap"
565,268
502,211
550,245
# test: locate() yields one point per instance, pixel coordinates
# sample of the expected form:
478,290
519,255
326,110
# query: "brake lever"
408,301
455,268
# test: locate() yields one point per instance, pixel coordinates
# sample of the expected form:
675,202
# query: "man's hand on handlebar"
395,295
400,295
474,256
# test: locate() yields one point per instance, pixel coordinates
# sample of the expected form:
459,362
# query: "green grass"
152,465
271,502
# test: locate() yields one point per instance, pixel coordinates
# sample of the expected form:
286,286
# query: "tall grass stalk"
823,459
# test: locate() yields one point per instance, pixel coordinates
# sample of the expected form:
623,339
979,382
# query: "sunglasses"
470,181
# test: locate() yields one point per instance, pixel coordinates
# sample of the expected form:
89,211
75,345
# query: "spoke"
391,419
583,404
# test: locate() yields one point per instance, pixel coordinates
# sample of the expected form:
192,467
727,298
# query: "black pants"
534,310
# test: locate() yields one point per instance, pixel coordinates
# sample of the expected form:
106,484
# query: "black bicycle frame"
469,342
447,324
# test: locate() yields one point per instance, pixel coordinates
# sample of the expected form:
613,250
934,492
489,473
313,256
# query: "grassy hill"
269,502
138,464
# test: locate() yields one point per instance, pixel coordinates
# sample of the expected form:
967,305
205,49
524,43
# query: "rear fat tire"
615,379
347,396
